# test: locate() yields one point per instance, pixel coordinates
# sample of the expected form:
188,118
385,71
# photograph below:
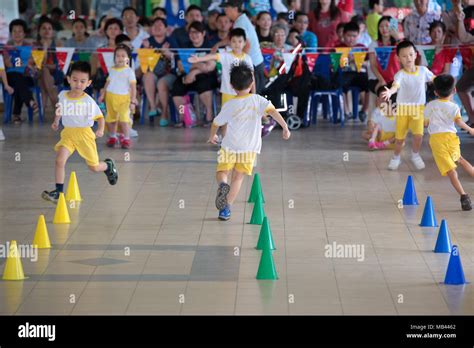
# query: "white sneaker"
394,163
133,133
417,161
2,136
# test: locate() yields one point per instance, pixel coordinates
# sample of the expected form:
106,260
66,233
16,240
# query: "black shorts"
203,83
355,79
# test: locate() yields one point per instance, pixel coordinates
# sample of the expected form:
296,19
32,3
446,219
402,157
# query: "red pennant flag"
311,59
466,54
61,56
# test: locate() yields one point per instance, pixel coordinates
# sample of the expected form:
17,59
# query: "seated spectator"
98,38
211,28
293,37
145,23
180,35
416,25
340,32
283,18
350,76
174,12
111,9
324,19
256,6
375,13
201,78
112,28
135,32
294,6
19,78
442,59
364,37
223,28
56,14
79,35
262,27
50,75
308,38
279,34
161,77
158,12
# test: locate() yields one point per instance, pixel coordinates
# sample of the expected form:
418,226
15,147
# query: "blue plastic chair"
332,99
8,102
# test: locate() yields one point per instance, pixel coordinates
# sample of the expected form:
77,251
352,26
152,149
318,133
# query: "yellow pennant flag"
345,55
144,55
359,58
153,59
38,57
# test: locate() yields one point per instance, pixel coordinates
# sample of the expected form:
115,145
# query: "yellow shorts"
118,107
82,140
446,151
383,136
226,97
241,162
409,117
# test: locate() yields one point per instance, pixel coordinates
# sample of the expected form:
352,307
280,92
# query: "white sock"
396,156
415,154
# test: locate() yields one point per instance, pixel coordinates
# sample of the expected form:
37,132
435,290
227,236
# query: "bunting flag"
383,56
267,58
64,57
424,52
38,57
359,58
344,62
311,59
134,59
451,53
335,60
19,56
184,55
288,59
83,57
144,56
429,56
106,59
466,54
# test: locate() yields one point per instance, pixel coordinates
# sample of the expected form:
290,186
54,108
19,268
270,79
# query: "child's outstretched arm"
279,119
389,92
464,126
206,58
213,134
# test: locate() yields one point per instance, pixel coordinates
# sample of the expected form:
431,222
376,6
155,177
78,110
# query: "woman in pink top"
323,22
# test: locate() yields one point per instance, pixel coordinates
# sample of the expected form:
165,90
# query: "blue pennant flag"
184,55
383,56
19,57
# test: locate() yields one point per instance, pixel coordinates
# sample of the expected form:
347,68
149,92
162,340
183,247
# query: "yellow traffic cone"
41,240
61,216
13,268
73,193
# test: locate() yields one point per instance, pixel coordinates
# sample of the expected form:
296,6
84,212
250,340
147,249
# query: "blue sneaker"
221,198
224,214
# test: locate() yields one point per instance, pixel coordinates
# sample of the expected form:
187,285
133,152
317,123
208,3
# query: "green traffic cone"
257,214
265,239
266,268
256,192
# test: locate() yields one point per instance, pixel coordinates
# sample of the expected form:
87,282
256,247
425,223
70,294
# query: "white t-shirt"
120,80
228,60
412,86
138,40
441,114
243,116
387,124
78,112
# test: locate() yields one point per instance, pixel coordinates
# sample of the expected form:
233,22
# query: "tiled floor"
152,244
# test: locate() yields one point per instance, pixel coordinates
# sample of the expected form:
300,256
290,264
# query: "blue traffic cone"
429,218
443,243
409,197
454,273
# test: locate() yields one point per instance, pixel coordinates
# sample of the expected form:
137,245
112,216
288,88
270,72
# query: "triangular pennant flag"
106,58
311,59
383,56
429,55
153,60
344,57
335,60
144,55
466,54
84,56
38,57
134,59
267,58
288,59
184,55
451,53
64,56
359,58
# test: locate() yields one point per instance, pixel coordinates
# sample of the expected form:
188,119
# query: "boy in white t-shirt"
410,82
441,117
78,111
243,118
228,59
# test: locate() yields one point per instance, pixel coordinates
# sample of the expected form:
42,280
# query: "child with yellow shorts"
242,116
441,117
78,112
410,82
120,96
